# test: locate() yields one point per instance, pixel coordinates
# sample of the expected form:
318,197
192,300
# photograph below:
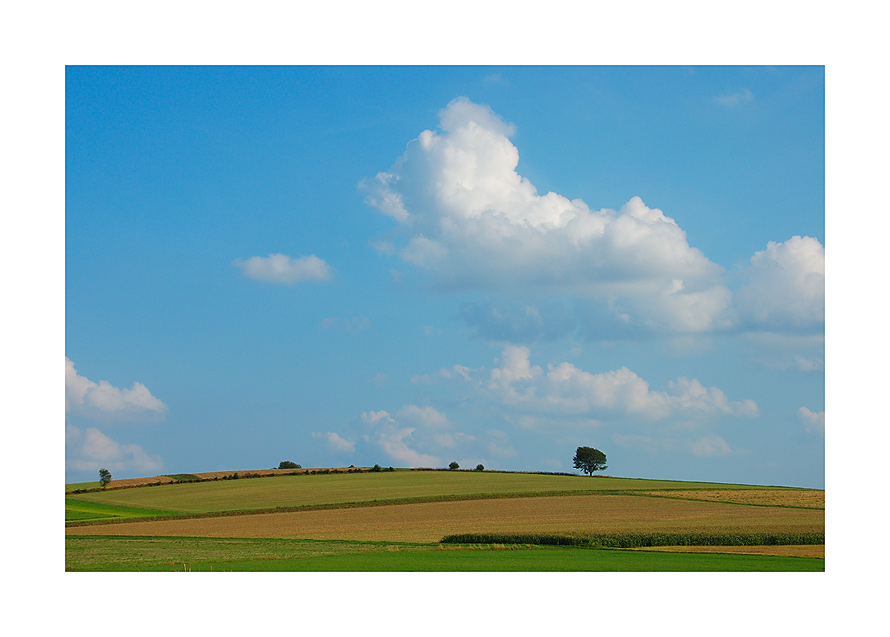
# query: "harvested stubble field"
424,507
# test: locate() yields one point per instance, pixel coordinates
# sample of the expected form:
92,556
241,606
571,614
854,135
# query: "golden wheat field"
788,550
811,499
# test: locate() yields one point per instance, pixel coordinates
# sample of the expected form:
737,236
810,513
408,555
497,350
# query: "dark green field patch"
77,515
184,477
549,559
80,511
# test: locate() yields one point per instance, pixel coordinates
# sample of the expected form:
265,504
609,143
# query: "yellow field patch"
430,521
790,550
139,482
807,498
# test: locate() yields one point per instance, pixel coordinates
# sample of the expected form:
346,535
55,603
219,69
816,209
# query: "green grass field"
395,521
205,554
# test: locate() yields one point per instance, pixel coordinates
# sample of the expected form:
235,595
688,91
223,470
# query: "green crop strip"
81,512
185,477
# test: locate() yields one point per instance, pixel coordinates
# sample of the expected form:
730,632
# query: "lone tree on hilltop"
589,460
104,477
453,466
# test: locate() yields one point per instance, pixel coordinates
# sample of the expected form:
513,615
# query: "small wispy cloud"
354,325
335,441
496,78
280,268
742,96
813,421
710,446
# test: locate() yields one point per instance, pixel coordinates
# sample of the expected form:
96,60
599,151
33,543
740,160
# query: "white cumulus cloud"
472,221
814,421
103,400
413,436
396,443
280,268
91,450
784,285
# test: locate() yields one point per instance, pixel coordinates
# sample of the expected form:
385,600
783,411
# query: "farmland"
443,520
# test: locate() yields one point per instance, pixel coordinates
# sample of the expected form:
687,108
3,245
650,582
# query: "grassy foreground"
397,521
254,555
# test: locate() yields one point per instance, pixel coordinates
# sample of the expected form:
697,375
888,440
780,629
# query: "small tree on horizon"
589,460
453,466
104,477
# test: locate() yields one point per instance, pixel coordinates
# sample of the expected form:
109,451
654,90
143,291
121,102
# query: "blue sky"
414,265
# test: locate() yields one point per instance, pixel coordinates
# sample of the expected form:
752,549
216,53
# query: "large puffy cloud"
472,221
102,400
280,268
784,285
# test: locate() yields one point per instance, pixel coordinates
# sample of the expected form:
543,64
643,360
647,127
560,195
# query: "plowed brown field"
429,522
